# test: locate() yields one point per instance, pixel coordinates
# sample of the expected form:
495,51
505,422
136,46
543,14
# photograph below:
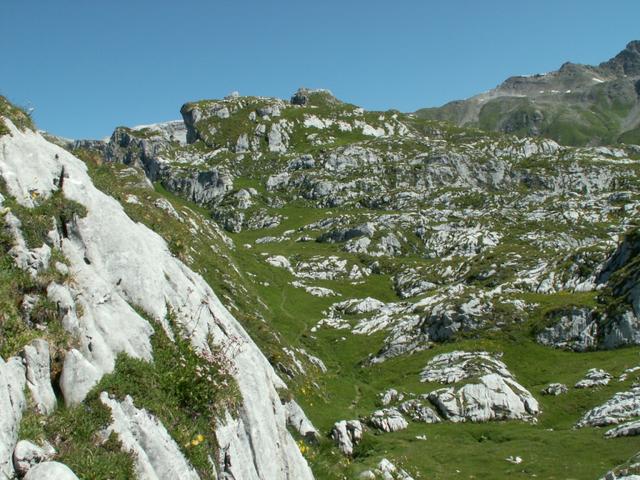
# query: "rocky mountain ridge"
575,105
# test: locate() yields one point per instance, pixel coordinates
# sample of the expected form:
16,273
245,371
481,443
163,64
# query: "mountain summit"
574,105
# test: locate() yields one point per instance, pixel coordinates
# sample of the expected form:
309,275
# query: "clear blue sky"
87,66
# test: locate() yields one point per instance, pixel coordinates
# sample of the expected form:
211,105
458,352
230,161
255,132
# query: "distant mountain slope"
575,105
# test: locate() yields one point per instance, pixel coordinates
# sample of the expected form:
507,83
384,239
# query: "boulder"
555,389
492,397
298,420
347,434
50,471
27,454
388,420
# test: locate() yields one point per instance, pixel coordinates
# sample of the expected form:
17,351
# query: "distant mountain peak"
627,62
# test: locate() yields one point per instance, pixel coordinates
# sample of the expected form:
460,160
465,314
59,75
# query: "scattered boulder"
50,471
493,397
458,365
347,434
555,389
298,420
595,377
385,471
390,396
27,454
388,420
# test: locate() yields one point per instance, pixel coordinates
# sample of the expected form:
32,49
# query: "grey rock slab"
156,455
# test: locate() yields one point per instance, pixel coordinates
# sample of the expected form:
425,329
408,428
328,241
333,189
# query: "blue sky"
87,66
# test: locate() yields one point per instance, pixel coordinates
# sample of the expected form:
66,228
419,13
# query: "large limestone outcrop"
117,263
485,389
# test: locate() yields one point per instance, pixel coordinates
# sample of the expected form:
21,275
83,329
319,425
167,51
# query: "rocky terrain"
304,289
575,105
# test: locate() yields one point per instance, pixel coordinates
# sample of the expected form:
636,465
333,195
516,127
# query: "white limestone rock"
458,365
388,420
279,261
117,263
493,397
36,357
298,420
491,393
595,377
622,407
12,404
35,260
27,454
156,455
628,429
390,396
50,471
575,329
347,434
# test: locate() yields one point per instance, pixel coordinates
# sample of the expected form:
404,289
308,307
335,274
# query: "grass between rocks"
173,387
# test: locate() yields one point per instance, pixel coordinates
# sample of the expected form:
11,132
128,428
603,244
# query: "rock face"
491,392
118,263
155,453
12,404
36,356
347,434
575,329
